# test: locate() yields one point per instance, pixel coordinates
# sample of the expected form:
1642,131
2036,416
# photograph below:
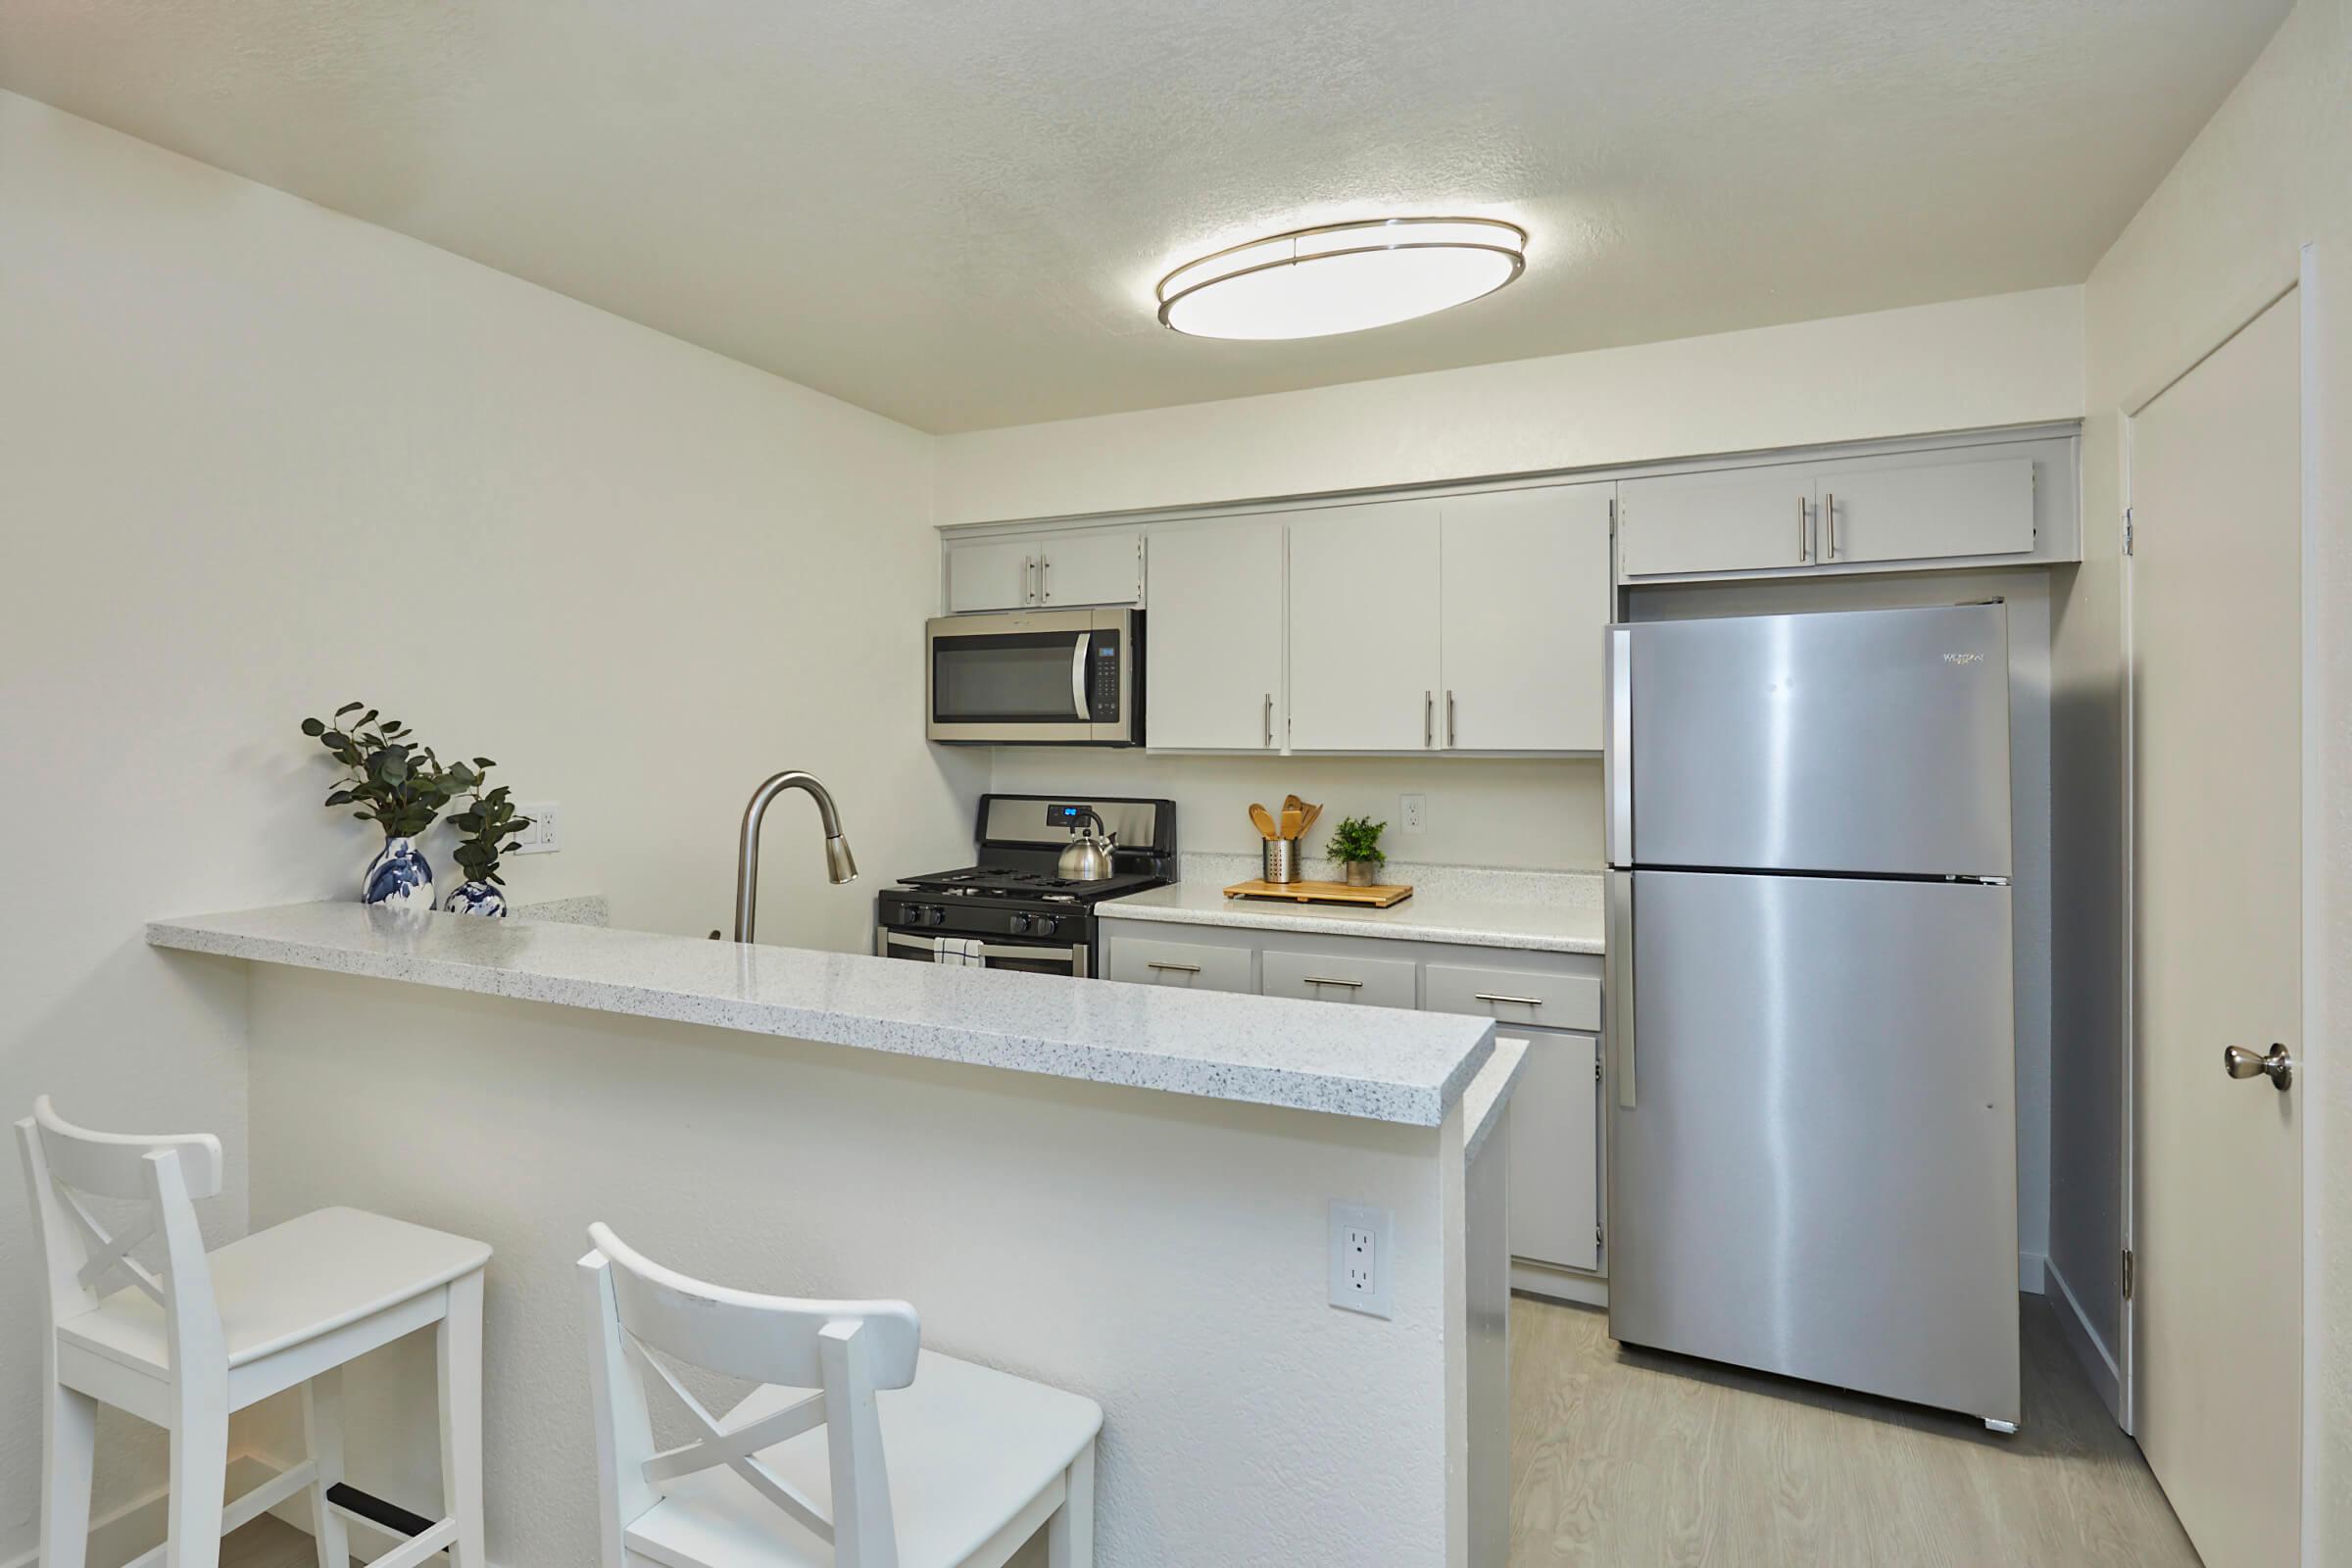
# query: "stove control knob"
1021,925
935,916
1047,925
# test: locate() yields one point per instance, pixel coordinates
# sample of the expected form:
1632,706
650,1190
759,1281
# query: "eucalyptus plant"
490,825
392,780
1356,841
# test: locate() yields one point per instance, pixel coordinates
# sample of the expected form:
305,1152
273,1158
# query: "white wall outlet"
540,838
1412,814
1364,1245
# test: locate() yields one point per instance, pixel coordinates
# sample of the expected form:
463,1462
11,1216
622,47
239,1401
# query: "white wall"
257,458
2009,358
2269,174
1162,1254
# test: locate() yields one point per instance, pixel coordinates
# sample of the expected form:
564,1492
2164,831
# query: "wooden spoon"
1308,820
1294,820
1291,803
1264,820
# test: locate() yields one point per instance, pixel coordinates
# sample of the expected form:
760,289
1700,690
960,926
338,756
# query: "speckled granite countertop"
1535,911
1393,1067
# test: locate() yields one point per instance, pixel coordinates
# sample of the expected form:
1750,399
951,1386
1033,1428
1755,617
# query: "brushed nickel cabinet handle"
1804,534
1450,729
1269,721
1828,519
1172,968
1524,1001
1428,720
1320,980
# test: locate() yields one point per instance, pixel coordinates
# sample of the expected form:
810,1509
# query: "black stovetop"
1015,882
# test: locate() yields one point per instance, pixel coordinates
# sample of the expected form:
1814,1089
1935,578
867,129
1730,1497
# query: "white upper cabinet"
1981,503
1090,569
1888,509
1740,520
1212,657
1065,570
1365,666
1525,595
998,574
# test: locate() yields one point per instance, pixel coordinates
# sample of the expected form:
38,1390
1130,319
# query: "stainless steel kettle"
1087,857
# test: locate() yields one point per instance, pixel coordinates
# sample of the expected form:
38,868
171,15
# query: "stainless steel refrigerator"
1812,1119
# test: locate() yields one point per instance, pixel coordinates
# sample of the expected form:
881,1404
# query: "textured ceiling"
954,212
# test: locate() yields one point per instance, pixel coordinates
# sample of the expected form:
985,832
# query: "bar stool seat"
288,1284
969,1450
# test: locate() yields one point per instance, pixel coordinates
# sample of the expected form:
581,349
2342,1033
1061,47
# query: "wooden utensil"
1312,812
1264,820
1291,803
1294,820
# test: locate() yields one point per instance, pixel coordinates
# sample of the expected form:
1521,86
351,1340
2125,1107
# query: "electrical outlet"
1412,814
1363,1244
541,837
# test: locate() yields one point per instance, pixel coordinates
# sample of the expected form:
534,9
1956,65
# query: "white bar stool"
901,1459
216,1332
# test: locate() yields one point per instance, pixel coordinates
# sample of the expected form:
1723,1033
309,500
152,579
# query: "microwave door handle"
1078,677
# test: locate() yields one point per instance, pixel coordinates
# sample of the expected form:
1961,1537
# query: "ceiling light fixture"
1341,277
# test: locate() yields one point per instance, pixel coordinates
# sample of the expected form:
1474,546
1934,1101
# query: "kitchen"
648,541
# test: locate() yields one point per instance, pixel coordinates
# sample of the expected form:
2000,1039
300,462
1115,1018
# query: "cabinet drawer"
1515,995
1373,982
1190,965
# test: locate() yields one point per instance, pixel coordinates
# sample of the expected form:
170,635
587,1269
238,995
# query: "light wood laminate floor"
1627,1456
1628,1459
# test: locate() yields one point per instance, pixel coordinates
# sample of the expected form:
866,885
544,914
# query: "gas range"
1014,910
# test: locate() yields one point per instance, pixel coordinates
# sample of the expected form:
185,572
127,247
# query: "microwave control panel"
1103,679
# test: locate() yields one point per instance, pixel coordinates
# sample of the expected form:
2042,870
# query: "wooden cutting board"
1372,897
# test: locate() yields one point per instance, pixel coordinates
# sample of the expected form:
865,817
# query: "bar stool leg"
1070,1533
68,1442
322,1434
458,1342
199,1474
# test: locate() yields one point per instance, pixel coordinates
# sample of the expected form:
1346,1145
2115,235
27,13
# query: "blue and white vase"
477,898
398,878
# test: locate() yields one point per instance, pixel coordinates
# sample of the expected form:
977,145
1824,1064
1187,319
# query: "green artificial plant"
489,825
1356,840
394,782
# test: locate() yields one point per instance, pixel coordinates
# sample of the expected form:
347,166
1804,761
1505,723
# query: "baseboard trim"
2031,1269
2098,1362
1557,1285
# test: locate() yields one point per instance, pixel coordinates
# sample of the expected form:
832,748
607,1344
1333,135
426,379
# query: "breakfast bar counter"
1122,1192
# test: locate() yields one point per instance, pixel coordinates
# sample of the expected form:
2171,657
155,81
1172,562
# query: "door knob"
2239,1062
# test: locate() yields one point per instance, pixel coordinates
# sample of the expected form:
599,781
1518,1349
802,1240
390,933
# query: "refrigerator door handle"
1617,1004
1617,752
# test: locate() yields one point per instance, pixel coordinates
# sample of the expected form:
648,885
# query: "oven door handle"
992,949
1078,699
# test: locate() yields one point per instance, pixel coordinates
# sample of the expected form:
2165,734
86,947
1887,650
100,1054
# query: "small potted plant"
398,785
490,826
1356,844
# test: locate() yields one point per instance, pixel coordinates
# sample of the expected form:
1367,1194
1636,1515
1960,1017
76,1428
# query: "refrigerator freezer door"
1819,1177
1871,741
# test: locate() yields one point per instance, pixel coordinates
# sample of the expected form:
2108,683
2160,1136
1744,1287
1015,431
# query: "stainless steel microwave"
1036,677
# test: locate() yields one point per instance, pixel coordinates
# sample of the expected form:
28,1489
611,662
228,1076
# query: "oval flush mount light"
1341,277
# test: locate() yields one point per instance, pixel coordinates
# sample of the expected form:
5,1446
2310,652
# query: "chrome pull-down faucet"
840,866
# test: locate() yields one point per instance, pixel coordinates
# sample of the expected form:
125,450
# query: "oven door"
1029,957
1047,678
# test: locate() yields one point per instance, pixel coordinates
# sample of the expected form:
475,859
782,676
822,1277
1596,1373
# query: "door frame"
2305,284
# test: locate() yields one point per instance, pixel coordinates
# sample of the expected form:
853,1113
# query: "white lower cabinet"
1556,1149
1550,1001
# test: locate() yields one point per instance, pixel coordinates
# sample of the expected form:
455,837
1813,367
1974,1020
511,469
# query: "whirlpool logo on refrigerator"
1964,658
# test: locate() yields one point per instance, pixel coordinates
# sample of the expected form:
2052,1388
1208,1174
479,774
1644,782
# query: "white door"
1527,596
2216,633
1748,519
1555,1151
998,576
1893,509
1364,659
1213,665
1090,569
